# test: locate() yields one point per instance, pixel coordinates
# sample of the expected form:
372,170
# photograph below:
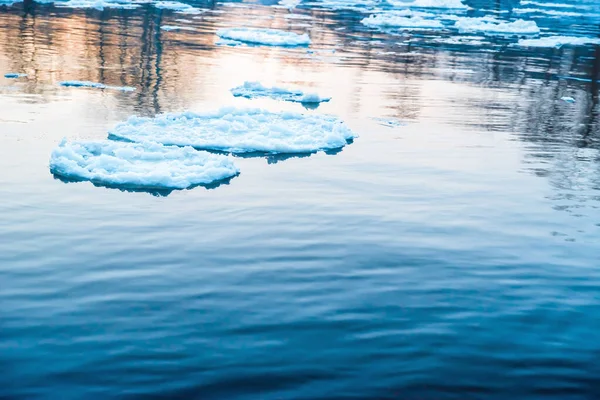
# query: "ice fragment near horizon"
497,27
255,89
268,37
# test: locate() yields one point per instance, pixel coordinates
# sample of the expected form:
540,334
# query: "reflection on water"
454,253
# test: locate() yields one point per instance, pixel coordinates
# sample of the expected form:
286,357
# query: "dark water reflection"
454,256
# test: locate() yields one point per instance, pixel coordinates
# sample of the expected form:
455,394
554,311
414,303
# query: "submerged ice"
139,165
240,131
256,89
268,37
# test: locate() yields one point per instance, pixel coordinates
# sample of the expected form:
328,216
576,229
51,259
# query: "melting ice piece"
95,85
268,37
169,28
14,75
568,99
139,165
256,89
240,131
489,27
558,41
398,20
451,4
178,7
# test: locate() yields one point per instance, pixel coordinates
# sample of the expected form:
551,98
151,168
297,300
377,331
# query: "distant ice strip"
255,89
95,85
558,41
397,20
178,7
268,37
488,27
97,4
139,165
448,4
14,75
176,28
240,131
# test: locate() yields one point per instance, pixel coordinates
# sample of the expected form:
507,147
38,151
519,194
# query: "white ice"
355,5
291,4
558,41
268,37
518,27
398,20
14,75
240,131
95,85
449,4
176,28
139,165
568,99
178,7
256,89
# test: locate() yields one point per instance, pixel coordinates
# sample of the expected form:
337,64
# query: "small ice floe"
441,4
14,75
297,16
252,90
169,28
267,37
497,27
139,165
353,5
95,85
389,122
290,4
239,130
97,4
184,21
178,7
568,99
399,20
558,41
228,42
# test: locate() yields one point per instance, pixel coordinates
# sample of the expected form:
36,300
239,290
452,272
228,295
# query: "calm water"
456,256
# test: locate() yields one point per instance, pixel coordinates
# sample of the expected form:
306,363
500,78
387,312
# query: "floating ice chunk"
297,16
518,27
451,4
268,37
184,21
558,41
228,42
554,13
568,99
176,28
255,89
354,5
14,75
397,21
95,85
178,7
240,131
139,165
389,122
290,3
97,4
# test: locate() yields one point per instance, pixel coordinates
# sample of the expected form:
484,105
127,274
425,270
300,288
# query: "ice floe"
355,5
489,27
178,7
568,99
558,41
97,4
398,20
291,4
238,130
176,28
95,85
256,89
139,165
14,75
268,37
448,4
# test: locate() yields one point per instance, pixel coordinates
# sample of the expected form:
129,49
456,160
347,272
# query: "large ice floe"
268,37
252,90
139,165
239,131
401,19
95,85
558,41
497,27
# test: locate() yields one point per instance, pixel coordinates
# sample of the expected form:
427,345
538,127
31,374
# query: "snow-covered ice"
14,75
398,20
139,165
488,27
256,89
176,28
268,37
558,41
240,131
95,85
